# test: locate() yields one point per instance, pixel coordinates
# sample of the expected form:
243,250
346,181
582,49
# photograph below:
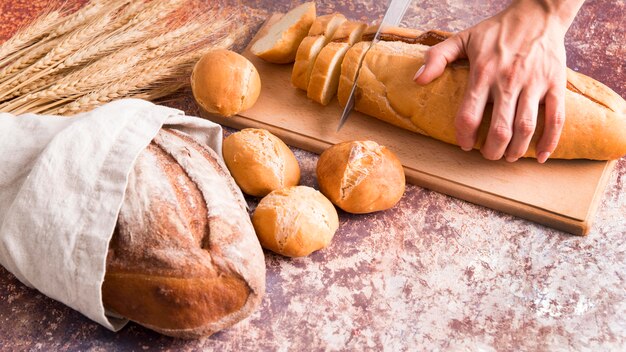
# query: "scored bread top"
364,157
184,259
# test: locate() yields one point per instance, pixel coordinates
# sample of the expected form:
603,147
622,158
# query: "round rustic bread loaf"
225,83
260,162
361,176
295,221
184,259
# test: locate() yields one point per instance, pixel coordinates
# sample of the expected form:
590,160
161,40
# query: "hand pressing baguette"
517,60
184,259
595,124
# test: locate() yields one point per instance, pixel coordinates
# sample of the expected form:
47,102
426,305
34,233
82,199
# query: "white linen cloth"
62,183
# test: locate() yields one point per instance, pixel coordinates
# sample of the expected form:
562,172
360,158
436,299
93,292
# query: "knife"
393,16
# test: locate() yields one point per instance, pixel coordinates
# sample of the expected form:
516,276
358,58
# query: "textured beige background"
434,273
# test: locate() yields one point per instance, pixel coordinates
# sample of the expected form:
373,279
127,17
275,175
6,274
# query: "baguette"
184,259
595,124
281,41
320,34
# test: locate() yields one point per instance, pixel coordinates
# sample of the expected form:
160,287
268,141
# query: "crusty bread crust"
361,176
295,221
184,259
260,162
595,124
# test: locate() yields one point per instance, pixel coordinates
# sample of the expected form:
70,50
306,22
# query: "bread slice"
320,34
327,69
281,41
349,32
325,75
349,69
595,122
326,25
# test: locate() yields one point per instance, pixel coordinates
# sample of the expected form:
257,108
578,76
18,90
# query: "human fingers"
553,123
501,127
525,123
438,57
470,113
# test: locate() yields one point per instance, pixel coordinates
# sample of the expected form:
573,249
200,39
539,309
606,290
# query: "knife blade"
392,17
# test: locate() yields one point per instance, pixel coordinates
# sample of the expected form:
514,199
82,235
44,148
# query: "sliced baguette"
595,122
325,74
320,34
281,41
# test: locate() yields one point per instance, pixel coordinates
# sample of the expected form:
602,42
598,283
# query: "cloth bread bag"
62,183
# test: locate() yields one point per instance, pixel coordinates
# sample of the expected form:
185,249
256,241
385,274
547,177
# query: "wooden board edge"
599,194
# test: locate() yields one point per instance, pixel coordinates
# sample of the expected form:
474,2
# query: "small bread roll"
225,83
295,221
260,162
361,176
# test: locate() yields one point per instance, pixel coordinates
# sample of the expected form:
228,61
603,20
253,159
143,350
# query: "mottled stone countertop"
434,273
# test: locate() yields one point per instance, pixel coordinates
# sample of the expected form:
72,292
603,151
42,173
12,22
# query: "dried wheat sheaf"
64,63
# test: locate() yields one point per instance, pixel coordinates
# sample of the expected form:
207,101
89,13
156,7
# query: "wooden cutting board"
563,194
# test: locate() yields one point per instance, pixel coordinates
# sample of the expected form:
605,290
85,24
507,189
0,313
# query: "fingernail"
511,159
466,149
542,157
419,72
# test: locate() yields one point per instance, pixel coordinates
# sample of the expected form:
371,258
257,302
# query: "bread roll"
361,176
295,221
280,43
225,83
184,259
260,162
595,123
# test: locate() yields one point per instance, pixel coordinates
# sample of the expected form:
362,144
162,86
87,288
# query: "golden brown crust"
591,131
361,176
260,162
184,259
225,83
295,221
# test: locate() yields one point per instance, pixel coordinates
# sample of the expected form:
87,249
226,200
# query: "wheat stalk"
44,33
78,38
134,52
29,35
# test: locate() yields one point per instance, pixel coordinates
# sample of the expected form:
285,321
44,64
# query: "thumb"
438,57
